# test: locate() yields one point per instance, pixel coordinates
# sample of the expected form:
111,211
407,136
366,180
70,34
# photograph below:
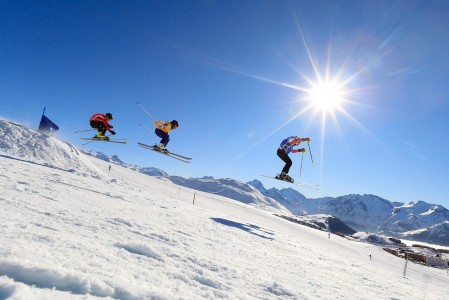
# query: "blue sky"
237,75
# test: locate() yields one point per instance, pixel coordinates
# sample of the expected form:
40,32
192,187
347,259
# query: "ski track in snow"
125,235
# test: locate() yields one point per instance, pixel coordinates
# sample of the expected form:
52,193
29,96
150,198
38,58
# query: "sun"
326,96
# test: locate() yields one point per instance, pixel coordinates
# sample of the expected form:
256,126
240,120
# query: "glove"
303,150
113,132
110,126
306,139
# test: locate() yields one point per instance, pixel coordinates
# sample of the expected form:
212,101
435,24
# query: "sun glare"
326,92
326,95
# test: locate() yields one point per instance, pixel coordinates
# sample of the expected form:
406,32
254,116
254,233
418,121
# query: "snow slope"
126,235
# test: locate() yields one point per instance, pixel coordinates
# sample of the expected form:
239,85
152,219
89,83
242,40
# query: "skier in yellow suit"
162,130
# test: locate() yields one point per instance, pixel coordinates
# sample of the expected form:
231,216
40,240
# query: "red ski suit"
99,121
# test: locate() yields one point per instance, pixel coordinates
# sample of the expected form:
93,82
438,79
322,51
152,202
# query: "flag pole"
40,123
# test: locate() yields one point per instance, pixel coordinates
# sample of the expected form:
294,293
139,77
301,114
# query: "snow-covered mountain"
100,155
151,171
294,201
367,212
361,212
233,189
436,234
72,229
413,216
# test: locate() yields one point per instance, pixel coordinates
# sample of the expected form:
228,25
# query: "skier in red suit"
101,122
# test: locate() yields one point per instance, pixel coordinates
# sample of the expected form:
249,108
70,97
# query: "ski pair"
306,185
168,153
117,141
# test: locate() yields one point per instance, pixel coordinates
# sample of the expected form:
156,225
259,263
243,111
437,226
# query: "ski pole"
146,128
88,143
146,111
85,130
300,170
311,158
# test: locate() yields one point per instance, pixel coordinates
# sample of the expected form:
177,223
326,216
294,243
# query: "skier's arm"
299,150
107,126
298,140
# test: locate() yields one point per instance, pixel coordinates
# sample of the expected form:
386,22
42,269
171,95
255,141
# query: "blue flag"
47,125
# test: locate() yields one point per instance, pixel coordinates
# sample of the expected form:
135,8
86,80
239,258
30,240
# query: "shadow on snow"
246,227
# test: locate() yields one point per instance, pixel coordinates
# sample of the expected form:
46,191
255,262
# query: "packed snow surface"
127,235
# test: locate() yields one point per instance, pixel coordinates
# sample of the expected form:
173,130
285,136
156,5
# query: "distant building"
437,262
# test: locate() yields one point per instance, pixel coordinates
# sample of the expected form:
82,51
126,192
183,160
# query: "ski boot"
161,148
284,177
101,136
288,178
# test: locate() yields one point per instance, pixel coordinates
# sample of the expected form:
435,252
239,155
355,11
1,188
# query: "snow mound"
22,143
231,188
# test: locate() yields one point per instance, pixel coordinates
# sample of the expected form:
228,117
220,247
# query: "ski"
306,185
170,154
104,140
167,154
154,148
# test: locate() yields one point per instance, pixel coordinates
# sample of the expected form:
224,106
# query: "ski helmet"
109,116
174,123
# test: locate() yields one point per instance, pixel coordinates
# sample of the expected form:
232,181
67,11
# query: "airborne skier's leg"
288,163
101,134
165,138
101,130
